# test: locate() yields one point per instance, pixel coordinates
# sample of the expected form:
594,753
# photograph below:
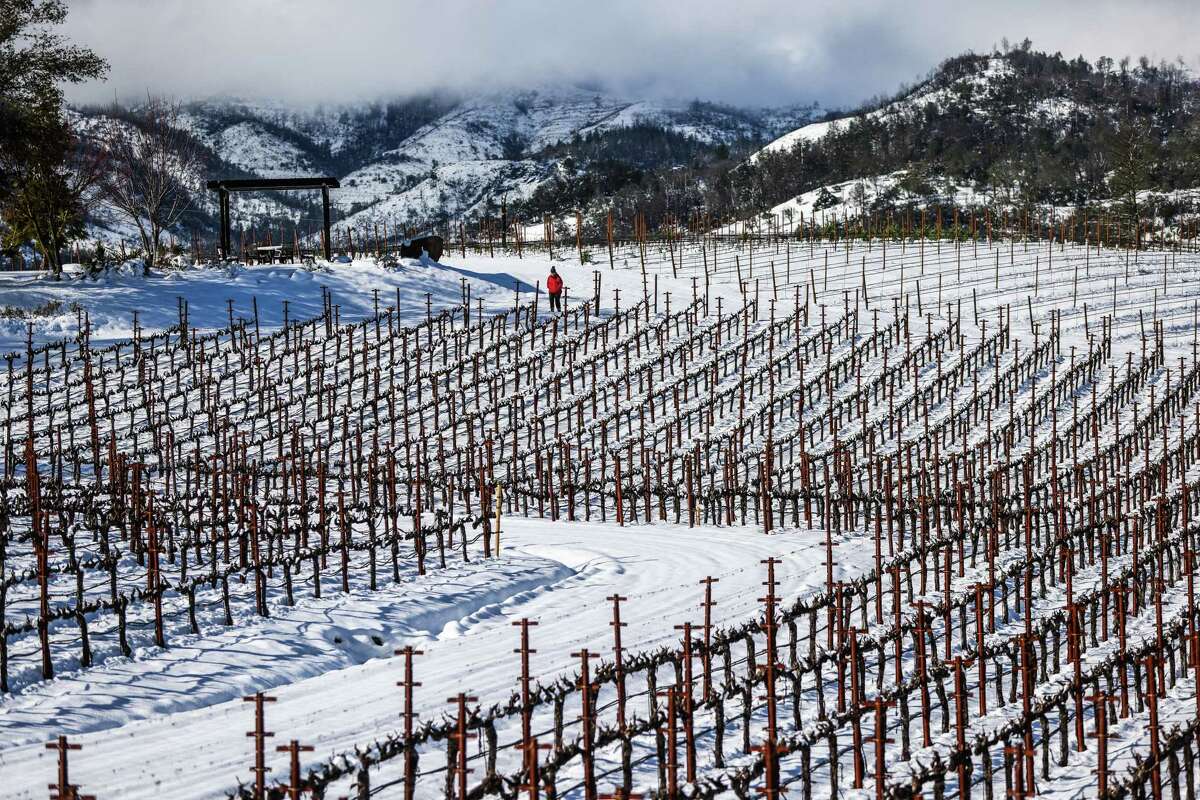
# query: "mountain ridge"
1032,126
426,158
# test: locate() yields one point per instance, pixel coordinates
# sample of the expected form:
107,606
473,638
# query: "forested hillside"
1018,127
431,159
1014,128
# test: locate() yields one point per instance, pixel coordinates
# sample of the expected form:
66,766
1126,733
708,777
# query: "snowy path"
316,636
202,752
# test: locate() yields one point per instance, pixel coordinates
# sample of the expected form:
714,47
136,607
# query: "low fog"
749,52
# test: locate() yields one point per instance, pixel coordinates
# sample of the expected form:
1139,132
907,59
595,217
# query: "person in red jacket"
554,286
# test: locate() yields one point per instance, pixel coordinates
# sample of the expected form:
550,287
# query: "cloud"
748,52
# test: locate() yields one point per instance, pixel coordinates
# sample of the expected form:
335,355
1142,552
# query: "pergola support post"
326,241
224,198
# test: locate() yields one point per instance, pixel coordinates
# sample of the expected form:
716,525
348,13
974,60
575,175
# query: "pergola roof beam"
267,184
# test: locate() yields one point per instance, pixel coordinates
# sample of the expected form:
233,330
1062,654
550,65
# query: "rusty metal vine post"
689,731
461,738
588,718
260,735
1100,702
525,624
530,752
294,749
880,707
62,788
618,664
770,788
1152,705
410,756
707,605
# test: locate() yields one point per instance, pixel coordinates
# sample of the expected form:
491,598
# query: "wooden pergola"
224,187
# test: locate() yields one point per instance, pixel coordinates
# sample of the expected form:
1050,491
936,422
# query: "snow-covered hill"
979,85
857,197
982,79
425,158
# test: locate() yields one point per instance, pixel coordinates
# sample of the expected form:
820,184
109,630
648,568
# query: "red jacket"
554,284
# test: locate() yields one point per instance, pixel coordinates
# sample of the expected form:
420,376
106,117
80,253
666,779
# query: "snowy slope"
170,723
423,158
257,150
487,146
244,147
835,201
465,186
851,198
977,83
809,133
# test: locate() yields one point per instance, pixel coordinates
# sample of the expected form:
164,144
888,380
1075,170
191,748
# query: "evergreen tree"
40,198
50,194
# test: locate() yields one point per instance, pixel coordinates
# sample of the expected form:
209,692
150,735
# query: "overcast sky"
746,52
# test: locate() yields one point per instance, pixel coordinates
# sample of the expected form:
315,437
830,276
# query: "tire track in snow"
202,752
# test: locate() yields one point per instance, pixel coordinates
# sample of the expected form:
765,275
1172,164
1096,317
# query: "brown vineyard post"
62,788
410,760
294,749
260,734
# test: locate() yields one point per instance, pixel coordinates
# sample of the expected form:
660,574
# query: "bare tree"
858,195
1133,162
149,160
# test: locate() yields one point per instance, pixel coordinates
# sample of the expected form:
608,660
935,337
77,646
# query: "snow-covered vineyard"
752,515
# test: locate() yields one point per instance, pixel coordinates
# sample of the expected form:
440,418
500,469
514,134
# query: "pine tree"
51,192
41,189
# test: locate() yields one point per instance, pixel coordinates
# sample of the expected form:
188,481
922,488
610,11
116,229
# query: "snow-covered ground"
329,660
112,299
171,722
182,710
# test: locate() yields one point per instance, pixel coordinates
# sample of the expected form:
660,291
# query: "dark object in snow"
411,248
